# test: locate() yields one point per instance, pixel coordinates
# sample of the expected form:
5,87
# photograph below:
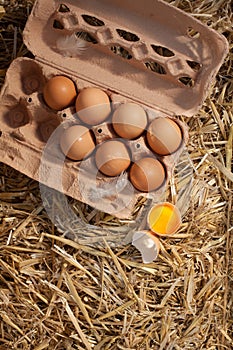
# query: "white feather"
106,189
122,182
71,45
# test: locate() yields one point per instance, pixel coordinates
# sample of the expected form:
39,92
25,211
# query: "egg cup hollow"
164,219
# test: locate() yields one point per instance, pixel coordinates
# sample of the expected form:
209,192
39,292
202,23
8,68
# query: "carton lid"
153,53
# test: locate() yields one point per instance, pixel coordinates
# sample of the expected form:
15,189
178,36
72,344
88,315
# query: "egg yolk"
164,219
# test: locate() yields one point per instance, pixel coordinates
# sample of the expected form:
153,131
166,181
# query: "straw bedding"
56,293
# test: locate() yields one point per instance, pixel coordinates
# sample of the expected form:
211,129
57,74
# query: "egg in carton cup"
154,57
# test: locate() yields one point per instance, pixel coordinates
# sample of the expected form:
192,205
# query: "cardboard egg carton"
153,55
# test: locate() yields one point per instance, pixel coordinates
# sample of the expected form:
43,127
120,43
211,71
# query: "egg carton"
31,132
153,55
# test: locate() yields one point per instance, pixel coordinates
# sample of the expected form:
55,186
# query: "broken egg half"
147,244
164,219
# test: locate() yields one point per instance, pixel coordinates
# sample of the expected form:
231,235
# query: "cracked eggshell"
147,244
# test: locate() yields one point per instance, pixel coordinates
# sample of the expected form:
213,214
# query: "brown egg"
147,174
93,106
77,142
59,92
129,120
164,136
112,157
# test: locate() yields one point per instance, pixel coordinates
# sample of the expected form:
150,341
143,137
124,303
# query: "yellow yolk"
164,219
